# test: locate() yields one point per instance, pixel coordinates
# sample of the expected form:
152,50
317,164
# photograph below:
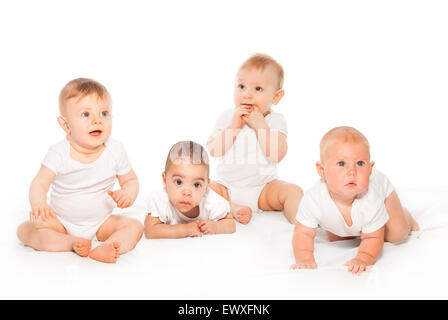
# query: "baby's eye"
85,114
178,182
197,185
241,86
360,163
104,113
259,89
341,163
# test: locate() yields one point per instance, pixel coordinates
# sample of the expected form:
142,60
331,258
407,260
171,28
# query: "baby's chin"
349,193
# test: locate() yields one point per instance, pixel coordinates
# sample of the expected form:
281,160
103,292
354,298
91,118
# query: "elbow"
212,153
277,157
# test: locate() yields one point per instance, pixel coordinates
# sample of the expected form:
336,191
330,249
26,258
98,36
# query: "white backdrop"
380,66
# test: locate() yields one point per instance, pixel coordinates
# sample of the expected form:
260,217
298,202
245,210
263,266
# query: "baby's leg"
241,213
120,235
279,195
400,221
50,235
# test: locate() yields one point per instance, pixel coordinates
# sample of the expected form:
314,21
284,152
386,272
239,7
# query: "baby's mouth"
95,133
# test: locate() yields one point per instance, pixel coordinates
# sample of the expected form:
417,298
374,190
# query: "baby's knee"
295,191
136,225
397,236
24,231
219,189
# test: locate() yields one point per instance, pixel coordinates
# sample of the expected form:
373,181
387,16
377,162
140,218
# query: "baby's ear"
278,96
164,178
320,169
64,124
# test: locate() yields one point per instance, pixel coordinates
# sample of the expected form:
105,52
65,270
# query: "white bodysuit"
368,211
79,191
244,170
211,207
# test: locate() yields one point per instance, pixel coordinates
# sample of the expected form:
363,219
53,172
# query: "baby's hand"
255,119
193,229
240,111
306,264
121,197
42,211
207,226
357,266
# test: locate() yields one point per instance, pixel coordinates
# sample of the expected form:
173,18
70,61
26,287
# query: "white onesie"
244,170
211,207
79,191
368,209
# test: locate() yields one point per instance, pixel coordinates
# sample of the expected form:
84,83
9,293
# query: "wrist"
39,204
304,255
235,128
262,126
365,258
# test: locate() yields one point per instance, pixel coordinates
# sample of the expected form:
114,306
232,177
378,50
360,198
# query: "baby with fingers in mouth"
250,140
186,206
350,200
82,170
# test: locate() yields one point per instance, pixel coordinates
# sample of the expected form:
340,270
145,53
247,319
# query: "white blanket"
252,263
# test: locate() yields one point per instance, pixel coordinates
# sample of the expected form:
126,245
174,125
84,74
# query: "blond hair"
343,134
188,151
80,88
261,61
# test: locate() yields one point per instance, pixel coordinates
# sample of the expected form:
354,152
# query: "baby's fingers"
34,214
45,213
115,195
126,203
120,201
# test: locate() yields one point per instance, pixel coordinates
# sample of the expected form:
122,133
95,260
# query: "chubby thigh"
26,229
398,226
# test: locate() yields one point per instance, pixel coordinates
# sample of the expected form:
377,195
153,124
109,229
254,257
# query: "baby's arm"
272,142
126,196
303,246
369,250
224,225
156,229
220,141
38,194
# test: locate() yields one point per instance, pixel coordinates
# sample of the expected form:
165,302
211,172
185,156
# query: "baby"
186,206
350,200
82,170
250,140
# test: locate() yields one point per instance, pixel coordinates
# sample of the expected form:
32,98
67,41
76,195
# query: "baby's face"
89,120
186,185
257,88
346,169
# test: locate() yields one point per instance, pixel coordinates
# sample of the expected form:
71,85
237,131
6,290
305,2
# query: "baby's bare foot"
107,252
82,247
243,215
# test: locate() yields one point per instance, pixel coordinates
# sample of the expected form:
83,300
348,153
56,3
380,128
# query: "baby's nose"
351,171
186,191
96,120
